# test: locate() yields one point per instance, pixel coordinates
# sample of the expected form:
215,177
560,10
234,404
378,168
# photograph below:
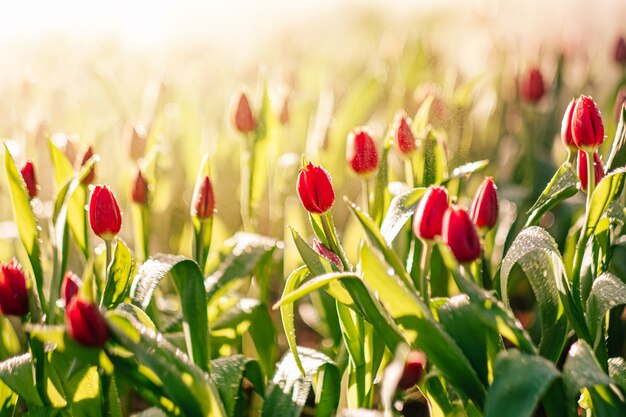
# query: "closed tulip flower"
459,233
13,289
70,287
485,206
361,152
413,369
566,126
315,189
403,136
587,127
532,87
582,169
619,54
28,174
203,203
428,218
85,323
139,193
104,213
242,118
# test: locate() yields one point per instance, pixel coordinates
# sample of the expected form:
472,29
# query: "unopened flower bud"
315,189
28,174
361,152
104,213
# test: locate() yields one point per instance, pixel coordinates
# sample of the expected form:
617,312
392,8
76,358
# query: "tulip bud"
403,137
532,87
241,115
413,369
485,206
13,289
361,151
139,193
104,213
582,169
28,174
91,176
203,202
85,323
587,127
428,218
619,53
566,126
315,189
70,287
460,234
324,251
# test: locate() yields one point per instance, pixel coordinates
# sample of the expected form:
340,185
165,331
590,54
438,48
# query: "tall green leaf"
400,211
561,187
607,292
119,276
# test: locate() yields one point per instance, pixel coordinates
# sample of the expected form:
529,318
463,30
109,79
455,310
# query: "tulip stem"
247,167
108,250
366,194
427,251
331,237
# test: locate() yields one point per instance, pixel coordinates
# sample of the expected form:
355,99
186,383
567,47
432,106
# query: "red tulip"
460,234
324,251
139,193
28,174
532,86
413,369
566,126
315,189
404,139
91,176
361,152
86,324
428,218
587,127
485,206
203,203
582,169
241,115
619,53
70,287
104,213
13,289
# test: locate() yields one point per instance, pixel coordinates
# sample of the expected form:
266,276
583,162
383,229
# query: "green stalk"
109,253
424,267
246,183
331,237
198,243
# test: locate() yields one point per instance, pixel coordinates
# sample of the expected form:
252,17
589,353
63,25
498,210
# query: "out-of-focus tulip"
619,54
28,174
484,211
532,86
13,289
459,233
242,118
139,193
315,189
85,323
413,369
361,152
104,213
70,287
203,202
403,137
428,218
91,176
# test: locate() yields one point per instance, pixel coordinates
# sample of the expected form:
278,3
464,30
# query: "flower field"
381,230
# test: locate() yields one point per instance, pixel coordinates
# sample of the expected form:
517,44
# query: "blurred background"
144,78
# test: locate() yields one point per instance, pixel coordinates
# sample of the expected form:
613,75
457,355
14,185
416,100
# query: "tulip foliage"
401,298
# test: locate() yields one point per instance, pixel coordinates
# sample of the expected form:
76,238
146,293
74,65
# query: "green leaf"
520,381
287,315
189,283
561,187
8,399
400,211
227,375
17,373
607,292
187,385
242,254
63,169
467,169
435,159
289,389
382,180
604,193
617,157
119,276
535,251
617,371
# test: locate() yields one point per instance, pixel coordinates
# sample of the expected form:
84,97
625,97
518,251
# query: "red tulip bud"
28,174
460,234
361,151
139,193
13,289
566,126
324,251
104,213
413,369
203,203
315,189
485,206
587,127
241,115
70,287
404,139
532,86
91,176
582,169
620,51
428,218
86,324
